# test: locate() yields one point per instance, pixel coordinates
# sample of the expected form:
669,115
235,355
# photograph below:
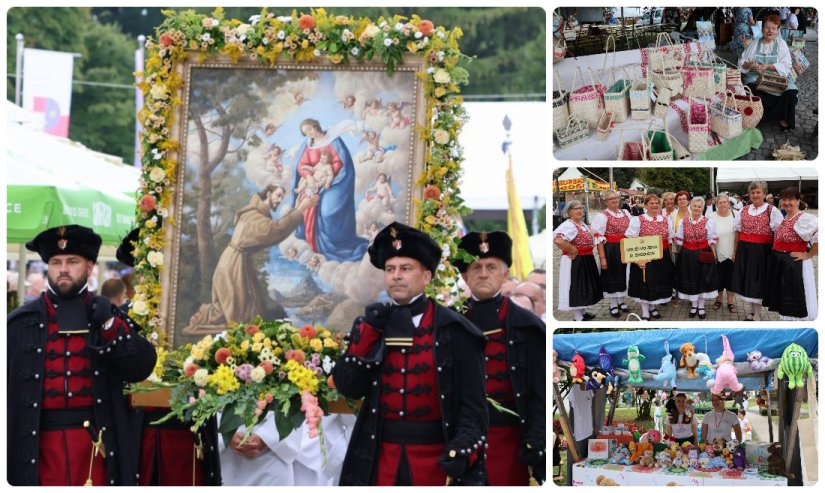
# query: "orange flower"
252,329
267,366
426,27
148,203
166,40
222,354
306,22
308,332
330,382
296,354
191,369
432,192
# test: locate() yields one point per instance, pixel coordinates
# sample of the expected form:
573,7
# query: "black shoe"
702,314
655,314
624,308
588,316
614,311
645,319
692,312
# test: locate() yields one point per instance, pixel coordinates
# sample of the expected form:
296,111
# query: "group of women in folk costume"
757,253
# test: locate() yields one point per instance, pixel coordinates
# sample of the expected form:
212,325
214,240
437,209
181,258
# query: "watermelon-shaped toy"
795,365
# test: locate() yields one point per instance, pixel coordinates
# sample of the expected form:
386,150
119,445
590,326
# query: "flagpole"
18,71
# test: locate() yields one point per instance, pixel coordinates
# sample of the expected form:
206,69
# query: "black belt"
498,418
65,419
412,432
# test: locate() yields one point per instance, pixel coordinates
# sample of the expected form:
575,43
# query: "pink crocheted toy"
726,372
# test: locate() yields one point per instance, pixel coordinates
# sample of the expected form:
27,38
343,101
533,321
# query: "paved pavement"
672,311
806,120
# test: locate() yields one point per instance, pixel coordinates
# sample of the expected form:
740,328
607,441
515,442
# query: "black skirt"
585,289
614,278
658,280
725,270
777,108
784,288
750,270
694,277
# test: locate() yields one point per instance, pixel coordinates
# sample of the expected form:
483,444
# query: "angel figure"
273,161
381,189
397,118
375,150
373,108
348,102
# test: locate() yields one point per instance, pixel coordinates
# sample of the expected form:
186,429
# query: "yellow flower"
258,337
267,342
412,47
441,136
224,380
245,345
277,351
441,76
303,377
337,58
325,333
316,345
157,174
330,343
430,219
305,44
257,347
440,91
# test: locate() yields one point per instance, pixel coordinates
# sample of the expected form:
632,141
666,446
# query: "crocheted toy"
758,362
667,372
739,460
634,364
596,380
577,369
663,459
776,463
725,371
606,364
693,458
647,459
620,455
679,459
795,364
640,450
556,371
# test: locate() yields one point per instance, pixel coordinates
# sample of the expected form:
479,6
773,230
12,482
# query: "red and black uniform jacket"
443,380
50,374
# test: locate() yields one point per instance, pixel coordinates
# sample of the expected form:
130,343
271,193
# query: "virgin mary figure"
329,227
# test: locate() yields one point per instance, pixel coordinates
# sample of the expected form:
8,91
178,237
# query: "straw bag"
586,102
605,126
800,62
658,145
772,83
798,43
631,151
560,108
664,76
674,56
698,80
574,132
640,99
725,119
662,102
698,126
559,49
616,99
734,77
750,107
680,153
720,76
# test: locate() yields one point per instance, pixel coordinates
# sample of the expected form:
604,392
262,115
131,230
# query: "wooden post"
770,421
613,405
780,397
565,424
793,431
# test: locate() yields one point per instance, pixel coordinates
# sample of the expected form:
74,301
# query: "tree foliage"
672,179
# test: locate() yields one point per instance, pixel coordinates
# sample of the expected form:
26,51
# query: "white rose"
140,307
243,29
257,374
441,76
441,136
327,364
155,258
157,174
281,35
418,35
201,377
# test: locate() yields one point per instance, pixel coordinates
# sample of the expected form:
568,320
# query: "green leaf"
283,424
333,48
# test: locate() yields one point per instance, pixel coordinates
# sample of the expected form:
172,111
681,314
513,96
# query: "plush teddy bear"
663,459
647,459
640,450
725,371
776,463
719,445
603,481
678,459
740,462
693,458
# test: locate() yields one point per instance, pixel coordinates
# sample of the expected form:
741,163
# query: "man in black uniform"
419,368
69,355
514,363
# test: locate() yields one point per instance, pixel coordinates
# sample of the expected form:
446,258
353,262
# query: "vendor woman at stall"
771,55
790,288
609,227
697,277
681,424
651,283
720,422
579,285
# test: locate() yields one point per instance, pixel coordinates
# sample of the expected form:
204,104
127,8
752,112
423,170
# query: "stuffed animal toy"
603,481
647,459
732,445
693,458
725,371
577,369
663,459
556,371
704,462
597,380
795,364
739,460
758,362
634,364
717,463
776,463
653,436
679,459
606,364
640,451
619,455
706,371
691,359
718,446
667,372
728,456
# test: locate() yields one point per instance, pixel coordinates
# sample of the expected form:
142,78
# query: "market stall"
651,360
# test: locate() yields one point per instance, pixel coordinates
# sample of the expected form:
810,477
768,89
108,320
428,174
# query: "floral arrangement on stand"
306,37
250,370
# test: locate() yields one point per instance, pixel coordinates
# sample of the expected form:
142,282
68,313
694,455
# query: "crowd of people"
447,398
724,245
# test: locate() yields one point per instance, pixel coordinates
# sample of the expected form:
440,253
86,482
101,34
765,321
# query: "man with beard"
514,363
69,355
418,366
237,295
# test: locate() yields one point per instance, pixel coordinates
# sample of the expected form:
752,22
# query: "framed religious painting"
284,172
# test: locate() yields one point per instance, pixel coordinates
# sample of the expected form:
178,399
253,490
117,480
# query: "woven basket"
665,76
658,145
725,119
559,49
734,77
587,101
639,95
750,106
698,80
560,104
576,130
772,83
605,126
680,152
698,126
631,151
662,102
720,77
616,99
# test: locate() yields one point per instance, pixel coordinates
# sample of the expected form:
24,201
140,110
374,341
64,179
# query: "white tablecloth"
592,149
586,474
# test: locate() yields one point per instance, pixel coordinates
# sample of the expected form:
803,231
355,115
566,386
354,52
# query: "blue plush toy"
667,372
606,364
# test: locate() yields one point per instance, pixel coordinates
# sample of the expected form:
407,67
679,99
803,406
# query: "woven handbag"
734,77
662,102
674,56
680,152
605,126
664,76
725,119
798,43
800,62
698,126
631,151
772,83
559,49
750,106
720,75
576,130
640,99
587,101
658,145
560,100
698,80
616,98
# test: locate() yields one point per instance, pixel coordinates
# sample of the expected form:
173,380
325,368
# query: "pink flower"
295,354
165,40
222,354
252,329
312,412
148,203
201,393
192,399
267,366
308,332
190,370
269,397
262,403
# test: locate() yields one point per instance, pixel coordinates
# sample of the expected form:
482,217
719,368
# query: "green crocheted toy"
795,365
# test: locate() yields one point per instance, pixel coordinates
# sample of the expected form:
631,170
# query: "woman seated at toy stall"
770,56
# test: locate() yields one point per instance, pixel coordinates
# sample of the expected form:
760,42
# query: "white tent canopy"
730,177
570,174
